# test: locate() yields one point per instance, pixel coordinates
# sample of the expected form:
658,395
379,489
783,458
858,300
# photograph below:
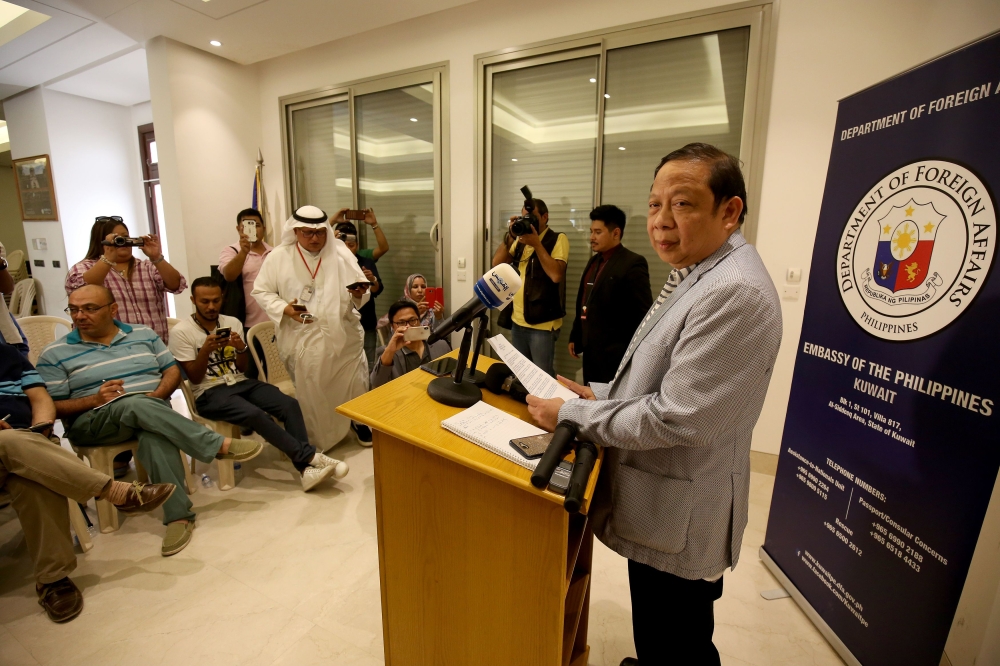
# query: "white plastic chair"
275,373
76,520
227,475
40,331
23,298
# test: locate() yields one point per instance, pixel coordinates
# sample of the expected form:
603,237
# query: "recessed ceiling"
123,80
16,20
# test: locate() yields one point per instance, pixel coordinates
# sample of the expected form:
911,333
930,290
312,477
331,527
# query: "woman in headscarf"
416,290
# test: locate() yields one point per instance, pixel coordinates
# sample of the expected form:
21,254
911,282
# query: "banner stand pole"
807,608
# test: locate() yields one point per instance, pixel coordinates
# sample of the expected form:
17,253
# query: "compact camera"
124,241
525,223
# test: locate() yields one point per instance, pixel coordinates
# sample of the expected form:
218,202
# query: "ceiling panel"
70,53
122,81
61,25
217,9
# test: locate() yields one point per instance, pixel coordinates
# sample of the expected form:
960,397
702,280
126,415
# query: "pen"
4,419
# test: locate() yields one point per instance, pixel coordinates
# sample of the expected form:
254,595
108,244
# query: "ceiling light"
593,80
572,210
413,120
215,42
607,96
513,159
621,147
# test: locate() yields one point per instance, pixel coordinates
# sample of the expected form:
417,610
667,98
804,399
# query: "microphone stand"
456,391
477,377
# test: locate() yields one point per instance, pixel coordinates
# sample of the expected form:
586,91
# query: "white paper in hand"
536,380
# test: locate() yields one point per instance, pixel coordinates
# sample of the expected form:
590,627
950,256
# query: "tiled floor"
276,576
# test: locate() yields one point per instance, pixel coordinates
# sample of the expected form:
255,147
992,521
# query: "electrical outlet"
40,244
461,262
462,276
790,292
793,276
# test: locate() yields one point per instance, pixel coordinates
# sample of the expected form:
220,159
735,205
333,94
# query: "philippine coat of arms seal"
917,249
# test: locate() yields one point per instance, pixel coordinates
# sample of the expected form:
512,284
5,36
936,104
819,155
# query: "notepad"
492,429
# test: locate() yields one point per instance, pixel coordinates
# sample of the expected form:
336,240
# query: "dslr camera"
525,223
124,241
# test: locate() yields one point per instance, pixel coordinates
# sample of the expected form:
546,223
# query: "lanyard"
312,274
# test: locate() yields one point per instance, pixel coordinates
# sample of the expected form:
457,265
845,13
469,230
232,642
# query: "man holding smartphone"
407,349
347,232
210,348
242,261
324,354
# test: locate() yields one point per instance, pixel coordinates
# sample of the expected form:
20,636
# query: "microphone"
494,290
586,456
499,380
562,440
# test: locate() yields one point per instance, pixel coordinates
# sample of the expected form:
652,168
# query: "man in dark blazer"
612,300
677,419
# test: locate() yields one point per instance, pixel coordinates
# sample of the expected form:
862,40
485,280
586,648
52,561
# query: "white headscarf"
311,217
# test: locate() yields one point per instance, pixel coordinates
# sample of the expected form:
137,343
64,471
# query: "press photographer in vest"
539,255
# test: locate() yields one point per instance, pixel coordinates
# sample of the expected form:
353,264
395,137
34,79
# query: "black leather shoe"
61,600
144,497
629,661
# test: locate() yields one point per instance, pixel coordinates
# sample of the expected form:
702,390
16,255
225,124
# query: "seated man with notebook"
39,475
111,383
214,364
401,356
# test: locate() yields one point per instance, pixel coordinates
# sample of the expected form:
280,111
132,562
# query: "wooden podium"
476,565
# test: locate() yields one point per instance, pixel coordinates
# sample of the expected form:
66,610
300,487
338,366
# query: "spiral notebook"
492,429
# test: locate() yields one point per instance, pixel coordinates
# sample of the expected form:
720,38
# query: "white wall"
205,111
93,148
29,136
95,160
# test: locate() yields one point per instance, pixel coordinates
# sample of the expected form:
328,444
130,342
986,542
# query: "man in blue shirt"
111,383
39,475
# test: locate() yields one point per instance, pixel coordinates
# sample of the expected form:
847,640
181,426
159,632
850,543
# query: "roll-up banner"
892,439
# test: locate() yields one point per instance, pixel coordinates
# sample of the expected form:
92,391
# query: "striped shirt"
140,298
16,376
74,368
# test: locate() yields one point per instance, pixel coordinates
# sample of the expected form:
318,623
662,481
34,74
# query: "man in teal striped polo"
111,383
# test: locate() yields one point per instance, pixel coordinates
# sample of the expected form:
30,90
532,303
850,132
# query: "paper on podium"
537,381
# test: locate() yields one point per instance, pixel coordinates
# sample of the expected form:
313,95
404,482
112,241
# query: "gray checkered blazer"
678,417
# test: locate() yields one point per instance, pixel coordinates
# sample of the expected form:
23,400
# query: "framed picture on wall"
33,176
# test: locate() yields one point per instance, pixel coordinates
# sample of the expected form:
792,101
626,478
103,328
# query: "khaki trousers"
39,476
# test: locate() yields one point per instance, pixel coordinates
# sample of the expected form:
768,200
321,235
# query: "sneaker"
313,476
322,460
363,432
241,450
178,536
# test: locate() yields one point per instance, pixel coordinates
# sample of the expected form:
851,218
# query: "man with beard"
214,364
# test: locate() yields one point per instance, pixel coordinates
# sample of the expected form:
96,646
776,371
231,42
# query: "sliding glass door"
376,144
584,125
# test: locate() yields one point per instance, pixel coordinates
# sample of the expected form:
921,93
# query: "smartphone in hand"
434,295
223,332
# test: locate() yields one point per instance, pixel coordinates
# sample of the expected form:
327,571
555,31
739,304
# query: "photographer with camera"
539,255
137,284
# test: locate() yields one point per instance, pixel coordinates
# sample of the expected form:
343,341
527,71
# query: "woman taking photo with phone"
401,355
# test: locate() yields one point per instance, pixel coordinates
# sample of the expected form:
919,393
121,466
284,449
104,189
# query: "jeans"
251,404
538,346
39,476
672,618
371,342
161,432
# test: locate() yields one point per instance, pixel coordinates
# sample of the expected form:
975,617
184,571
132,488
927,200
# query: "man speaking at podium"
678,417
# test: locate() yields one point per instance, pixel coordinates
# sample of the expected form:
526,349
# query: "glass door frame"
436,74
759,17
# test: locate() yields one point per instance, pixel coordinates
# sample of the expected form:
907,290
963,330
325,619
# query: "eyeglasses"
72,311
406,322
108,218
308,233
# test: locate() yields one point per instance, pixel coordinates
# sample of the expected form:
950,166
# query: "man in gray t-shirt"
214,364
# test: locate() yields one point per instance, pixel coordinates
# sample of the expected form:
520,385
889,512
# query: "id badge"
307,294
230,379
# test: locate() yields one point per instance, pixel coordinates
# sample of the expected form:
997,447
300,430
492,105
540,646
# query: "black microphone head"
496,376
518,391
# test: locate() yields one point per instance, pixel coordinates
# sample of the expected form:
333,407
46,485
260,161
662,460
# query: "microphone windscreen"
496,376
497,286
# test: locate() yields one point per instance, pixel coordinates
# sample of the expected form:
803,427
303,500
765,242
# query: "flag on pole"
257,200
